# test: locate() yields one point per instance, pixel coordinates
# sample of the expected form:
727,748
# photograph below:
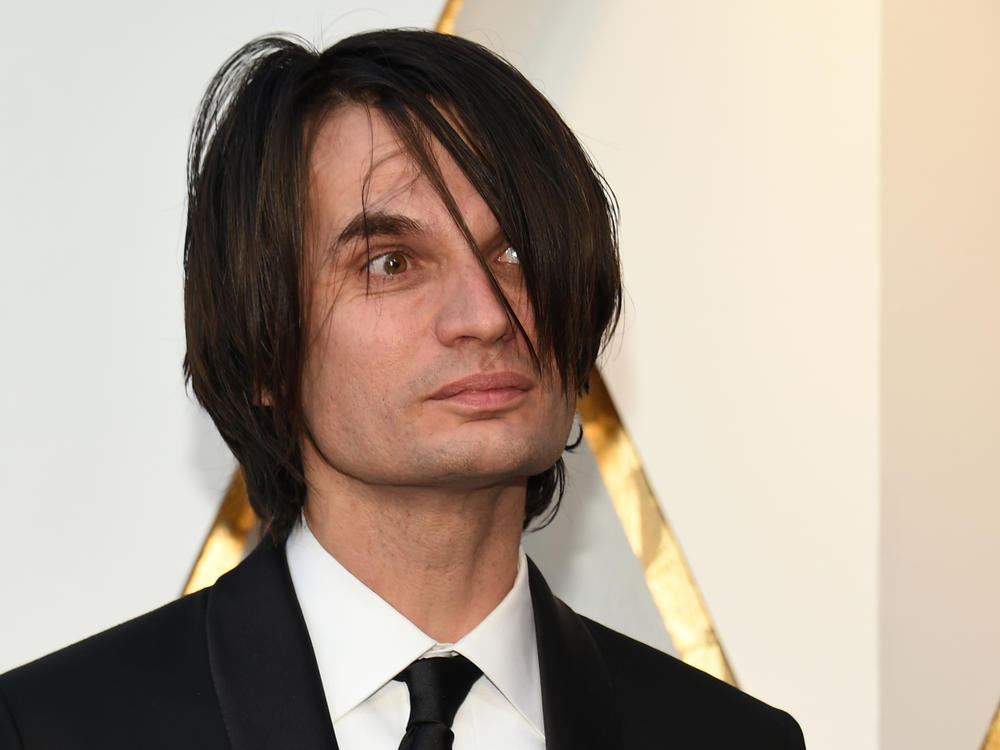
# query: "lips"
485,389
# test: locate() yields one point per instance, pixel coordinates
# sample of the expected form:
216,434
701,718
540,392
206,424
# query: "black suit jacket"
232,667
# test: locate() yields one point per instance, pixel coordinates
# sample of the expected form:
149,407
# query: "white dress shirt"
361,643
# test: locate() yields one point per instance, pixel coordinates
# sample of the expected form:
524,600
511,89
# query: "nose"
469,309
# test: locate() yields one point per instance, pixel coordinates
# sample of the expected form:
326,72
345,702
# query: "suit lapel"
271,694
577,699
262,660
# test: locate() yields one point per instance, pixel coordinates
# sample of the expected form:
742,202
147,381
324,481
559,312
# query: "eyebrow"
374,223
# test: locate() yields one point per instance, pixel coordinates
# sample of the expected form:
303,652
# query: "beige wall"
940,568
742,141
810,358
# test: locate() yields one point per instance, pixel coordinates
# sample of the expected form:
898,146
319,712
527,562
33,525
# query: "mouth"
492,390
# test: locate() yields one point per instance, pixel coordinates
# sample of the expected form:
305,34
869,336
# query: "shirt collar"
361,642
503,646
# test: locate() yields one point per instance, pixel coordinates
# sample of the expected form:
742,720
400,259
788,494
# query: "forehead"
358,163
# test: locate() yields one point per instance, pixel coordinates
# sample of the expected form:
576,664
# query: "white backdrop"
111,473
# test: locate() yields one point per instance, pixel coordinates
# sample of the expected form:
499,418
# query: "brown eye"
388,264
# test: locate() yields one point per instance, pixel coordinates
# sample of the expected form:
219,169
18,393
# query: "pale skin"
425,412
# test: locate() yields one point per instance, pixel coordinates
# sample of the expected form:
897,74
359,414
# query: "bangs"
522,159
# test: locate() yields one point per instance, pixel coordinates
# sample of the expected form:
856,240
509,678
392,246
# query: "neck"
443,558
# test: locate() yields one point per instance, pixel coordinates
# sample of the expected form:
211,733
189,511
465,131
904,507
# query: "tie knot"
437,686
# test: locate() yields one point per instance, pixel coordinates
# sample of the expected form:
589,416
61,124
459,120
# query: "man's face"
414,375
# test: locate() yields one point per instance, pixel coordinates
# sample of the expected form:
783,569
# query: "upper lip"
484,381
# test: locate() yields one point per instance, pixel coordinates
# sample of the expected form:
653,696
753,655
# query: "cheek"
566,420
358,362
553,434
557,418
518,298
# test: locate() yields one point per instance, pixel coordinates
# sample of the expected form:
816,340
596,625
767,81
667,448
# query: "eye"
388,264
509,256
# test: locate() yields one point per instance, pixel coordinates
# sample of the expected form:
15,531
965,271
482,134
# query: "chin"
509,465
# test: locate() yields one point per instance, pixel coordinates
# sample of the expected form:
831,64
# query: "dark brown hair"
247,192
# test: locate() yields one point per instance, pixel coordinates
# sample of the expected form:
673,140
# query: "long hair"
244,293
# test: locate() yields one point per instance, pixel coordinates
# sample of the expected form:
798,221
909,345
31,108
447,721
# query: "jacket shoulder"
146,683
662,700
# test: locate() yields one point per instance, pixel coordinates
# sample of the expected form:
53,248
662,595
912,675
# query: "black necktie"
437,685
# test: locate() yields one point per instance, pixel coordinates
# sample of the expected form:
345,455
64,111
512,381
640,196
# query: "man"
401,267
